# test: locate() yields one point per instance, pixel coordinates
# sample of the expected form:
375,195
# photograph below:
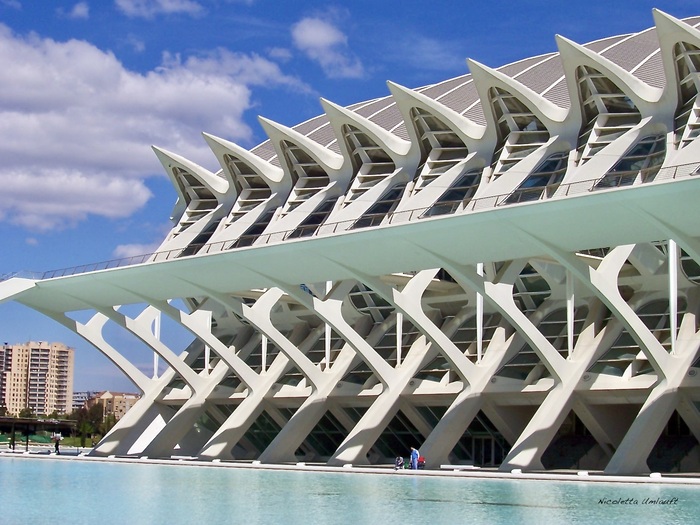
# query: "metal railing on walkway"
609,182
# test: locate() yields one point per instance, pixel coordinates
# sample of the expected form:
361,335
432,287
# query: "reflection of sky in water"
77,492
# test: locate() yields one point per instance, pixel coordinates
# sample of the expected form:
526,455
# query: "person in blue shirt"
414,458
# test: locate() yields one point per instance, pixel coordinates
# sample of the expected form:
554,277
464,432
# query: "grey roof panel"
265,150
435,91
375,106
461,98
512,70
604,43
323,135
476,113
652,71
307,127
559,94
388,118
401,131
632,52
543,75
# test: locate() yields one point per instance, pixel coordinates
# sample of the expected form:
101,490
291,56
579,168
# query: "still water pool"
84,492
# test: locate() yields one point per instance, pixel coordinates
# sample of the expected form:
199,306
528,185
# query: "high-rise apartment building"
36,375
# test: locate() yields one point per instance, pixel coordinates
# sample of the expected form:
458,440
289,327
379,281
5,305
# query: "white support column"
399,336
156,334
603,281
129,431
452,425
139,327
479,317
330,312
220,445
194,325
569,313
673,291
92,332
297,428
329,286
500,296
408,302
631,456
258,316
183,421
206,318
314,407
263,353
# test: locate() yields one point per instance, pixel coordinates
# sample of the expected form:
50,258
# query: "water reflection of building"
38,376
501,268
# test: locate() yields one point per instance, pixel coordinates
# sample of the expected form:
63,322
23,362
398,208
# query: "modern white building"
501,268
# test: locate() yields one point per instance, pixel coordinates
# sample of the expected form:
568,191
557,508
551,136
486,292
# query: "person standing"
414,458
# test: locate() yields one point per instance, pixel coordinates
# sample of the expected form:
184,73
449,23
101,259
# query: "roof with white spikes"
636,53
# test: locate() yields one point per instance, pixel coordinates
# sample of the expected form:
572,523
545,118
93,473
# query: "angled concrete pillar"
631,456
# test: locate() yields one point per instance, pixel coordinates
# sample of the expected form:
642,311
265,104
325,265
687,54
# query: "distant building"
36,375
80,399
113,403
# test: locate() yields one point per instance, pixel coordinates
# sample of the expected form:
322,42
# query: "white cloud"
68,197
424,53
135,43
13,4
151,8
124,251
76,125
250,69
80,10
280,53
324,43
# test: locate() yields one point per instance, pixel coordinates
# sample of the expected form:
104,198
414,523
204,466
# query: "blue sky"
87,87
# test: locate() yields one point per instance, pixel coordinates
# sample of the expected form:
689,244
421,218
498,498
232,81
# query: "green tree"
84,428
88,421
82,424
109,421
96,415
27,412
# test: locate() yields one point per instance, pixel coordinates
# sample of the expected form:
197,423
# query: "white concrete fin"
217,184
221,147
327,159
671,32
485,78
395,146
574,55
469,131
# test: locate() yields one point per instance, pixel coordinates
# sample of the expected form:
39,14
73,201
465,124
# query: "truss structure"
501,269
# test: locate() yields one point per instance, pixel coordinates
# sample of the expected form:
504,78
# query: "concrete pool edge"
580,476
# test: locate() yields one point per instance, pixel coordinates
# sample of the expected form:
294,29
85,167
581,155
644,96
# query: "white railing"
436,210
